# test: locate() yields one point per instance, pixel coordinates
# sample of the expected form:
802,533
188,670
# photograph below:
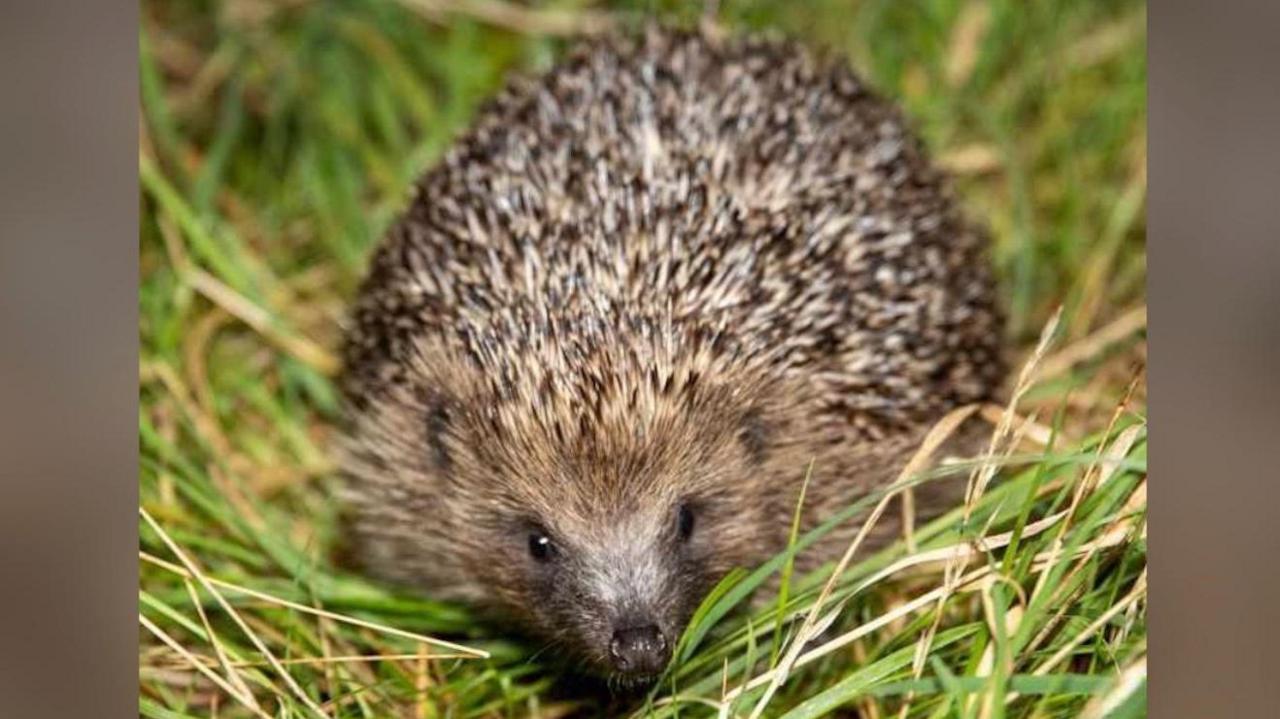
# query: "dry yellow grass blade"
421,684
975,159
959,554
345,659
261,646
459,648
909,519
237,305
1109,460
1131,599
1138,592
966,42
987,663
232,675
1131,680
221,683
1128,323
1028,427
982,474
195,347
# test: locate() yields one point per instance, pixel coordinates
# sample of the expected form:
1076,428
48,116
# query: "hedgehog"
643,300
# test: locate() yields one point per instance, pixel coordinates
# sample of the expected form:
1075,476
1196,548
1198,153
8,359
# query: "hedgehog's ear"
755,434
440,412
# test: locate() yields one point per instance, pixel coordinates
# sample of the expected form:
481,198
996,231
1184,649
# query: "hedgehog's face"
606,556
601,533
597,521
615,591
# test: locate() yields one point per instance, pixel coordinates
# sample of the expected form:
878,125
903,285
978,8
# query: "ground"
277,140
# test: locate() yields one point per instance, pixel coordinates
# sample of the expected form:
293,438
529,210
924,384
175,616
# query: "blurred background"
279,138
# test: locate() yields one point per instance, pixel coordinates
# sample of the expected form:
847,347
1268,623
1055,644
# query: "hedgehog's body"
638,298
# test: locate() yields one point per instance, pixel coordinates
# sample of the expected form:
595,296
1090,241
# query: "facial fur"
579,504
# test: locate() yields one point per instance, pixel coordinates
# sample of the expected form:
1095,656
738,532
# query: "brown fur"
669,273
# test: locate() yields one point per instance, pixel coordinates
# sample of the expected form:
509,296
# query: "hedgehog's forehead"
608,451
617,419
607,390
600,508
601,456
592,411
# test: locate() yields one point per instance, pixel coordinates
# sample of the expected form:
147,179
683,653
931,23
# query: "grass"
277,140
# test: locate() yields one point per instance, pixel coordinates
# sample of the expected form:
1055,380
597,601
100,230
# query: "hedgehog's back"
741,186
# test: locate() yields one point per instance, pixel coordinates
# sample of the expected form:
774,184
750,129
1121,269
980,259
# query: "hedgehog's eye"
684,522
540,547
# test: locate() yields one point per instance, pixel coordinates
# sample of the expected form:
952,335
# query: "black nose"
639,650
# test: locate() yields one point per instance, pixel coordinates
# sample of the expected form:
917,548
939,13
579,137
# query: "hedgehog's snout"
633,586
639,650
